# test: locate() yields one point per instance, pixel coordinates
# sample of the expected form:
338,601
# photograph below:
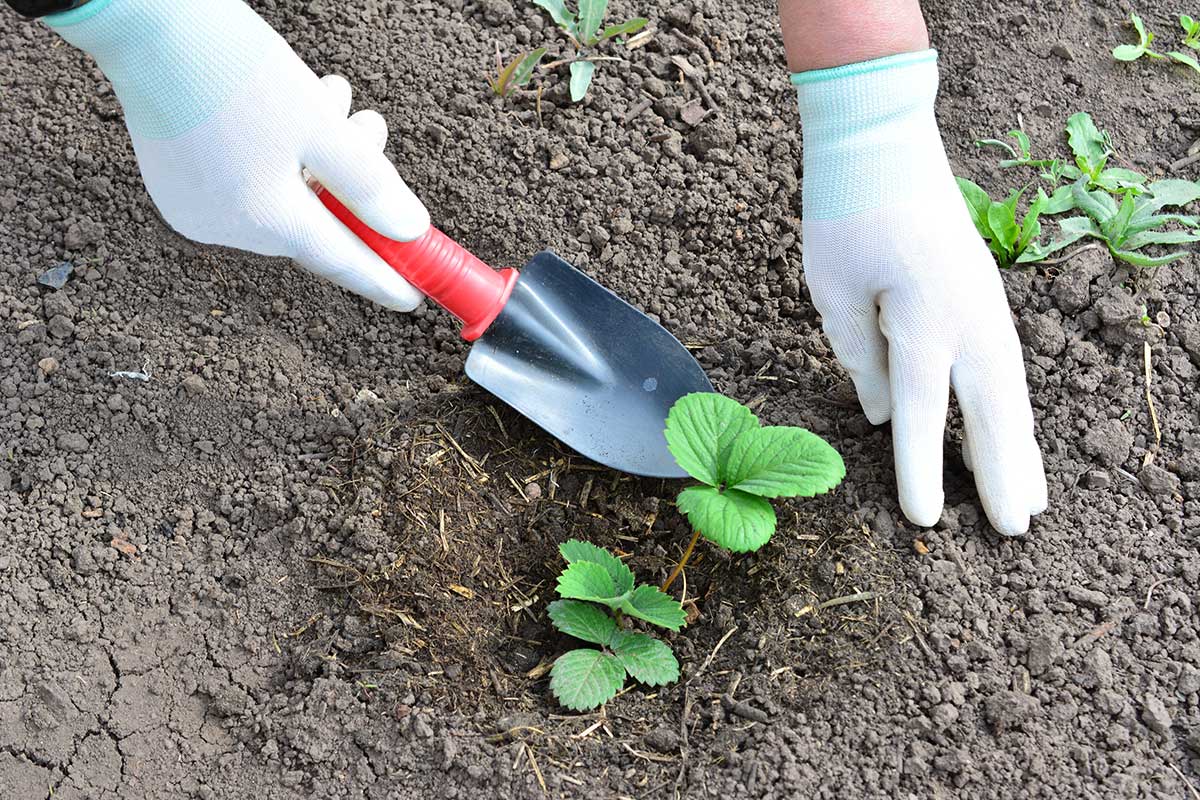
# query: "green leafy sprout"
599,594
517,72
584,28
1132,52
741,464
1098,190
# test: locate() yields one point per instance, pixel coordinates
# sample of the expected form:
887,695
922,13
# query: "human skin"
818,34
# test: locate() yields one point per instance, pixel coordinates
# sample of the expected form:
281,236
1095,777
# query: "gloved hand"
909,295
224,117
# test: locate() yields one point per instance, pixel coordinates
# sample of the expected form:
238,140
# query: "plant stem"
682,562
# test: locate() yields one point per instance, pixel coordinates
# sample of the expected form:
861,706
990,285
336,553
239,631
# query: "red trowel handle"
441,268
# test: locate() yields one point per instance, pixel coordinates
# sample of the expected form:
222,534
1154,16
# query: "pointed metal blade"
586,366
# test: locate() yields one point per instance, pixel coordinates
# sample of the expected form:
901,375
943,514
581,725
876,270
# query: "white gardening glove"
224,117
909,295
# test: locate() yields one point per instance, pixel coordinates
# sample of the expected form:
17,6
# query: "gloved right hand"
225,118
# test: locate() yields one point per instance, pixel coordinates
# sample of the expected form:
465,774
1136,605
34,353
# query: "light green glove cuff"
158,55
867,127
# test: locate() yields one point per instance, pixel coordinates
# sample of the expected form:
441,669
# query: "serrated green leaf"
735,520
529,61
1141,260
622,576
649,604
558,11
701,427
782,462
582,620
1087,143
591,14
978,204
1169,192
1128,52
585,679
629,26
647,659
585,580
581,79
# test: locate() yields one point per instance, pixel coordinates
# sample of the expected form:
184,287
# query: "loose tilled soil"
308,558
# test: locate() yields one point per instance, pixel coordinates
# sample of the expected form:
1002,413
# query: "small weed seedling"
1010,241
516,73
586,678
1133,223
584,29
1132,52
741,464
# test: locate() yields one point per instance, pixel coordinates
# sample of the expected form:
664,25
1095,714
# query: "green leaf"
1140,260
1137,241
1144,223
574,550
1087,143
1002,217
1143,37
1184,58
584,580
557,9
978,204
649,604
1115,179
1071,230
1169,192
701,428
525,71
500,84
582,620
581,79
645,658
1128,52
1114,228
629,26
591,14
1100,206
735,520
1022,141
584,679
782,462
1059,202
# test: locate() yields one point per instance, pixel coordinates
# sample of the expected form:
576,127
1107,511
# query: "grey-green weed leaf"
1140,240
1087,143
1127,52
645,658
783,462
558,11
574,550
585,679
629,26
735,520
581,79
591,14
1142,260
701,427
524,72
584,580
582,620
649,604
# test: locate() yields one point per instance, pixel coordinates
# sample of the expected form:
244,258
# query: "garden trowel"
586,366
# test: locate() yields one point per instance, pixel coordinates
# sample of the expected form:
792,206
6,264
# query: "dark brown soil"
319,568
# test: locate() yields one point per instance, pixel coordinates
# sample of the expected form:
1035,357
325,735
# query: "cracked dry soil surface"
308,559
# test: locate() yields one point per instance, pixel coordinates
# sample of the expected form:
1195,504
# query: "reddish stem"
682,562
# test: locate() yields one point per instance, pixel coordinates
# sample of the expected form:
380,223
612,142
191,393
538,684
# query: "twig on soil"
682,562
647,756
744,710
713,654
1068,256
1150,591
1153,414
912,623
1095,633
1191,787
696,44
536,770
637,109
838,601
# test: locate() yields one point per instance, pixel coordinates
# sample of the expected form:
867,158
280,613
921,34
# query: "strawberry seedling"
741,464
584,30
517,72
599,594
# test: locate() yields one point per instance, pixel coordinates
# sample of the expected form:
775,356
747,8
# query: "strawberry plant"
741,465
517,72
599,594
584,29
1132,52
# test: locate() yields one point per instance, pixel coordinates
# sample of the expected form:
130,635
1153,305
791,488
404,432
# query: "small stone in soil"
56,277
533,491
48,366
193,384
73,442
1009,709
1155,715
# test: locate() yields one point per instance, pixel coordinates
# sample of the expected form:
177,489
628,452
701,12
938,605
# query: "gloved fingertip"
403,218
373,127
339,93
877,415
922,508
1010,522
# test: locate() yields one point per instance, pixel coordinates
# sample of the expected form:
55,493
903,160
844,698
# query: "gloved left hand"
225,118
